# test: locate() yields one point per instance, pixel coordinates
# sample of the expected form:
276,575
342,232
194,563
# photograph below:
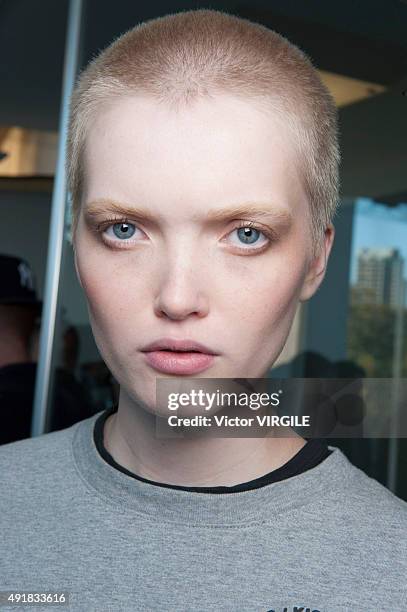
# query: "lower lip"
179,363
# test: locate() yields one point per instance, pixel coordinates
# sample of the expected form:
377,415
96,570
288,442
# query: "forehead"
216,150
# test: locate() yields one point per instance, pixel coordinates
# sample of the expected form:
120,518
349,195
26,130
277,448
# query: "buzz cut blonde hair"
180,57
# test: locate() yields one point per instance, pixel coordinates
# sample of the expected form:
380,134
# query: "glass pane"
377,324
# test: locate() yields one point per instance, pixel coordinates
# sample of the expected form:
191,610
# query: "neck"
130,437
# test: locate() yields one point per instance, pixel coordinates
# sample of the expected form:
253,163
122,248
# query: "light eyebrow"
105,205
281,215
276,214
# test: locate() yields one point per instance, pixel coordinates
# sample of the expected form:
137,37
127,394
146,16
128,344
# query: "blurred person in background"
20,312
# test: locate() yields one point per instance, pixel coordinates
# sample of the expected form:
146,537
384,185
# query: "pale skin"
182,276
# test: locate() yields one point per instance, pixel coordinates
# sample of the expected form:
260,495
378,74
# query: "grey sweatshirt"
330,539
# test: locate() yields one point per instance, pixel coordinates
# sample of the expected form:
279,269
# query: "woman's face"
189,271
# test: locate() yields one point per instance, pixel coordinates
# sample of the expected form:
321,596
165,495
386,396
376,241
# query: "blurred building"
380,277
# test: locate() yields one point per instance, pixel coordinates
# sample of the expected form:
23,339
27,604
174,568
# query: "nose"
182,291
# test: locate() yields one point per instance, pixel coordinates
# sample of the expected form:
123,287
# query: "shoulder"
21,453
364,511
36,463
361,491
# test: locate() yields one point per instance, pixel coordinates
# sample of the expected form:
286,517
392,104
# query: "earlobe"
317,268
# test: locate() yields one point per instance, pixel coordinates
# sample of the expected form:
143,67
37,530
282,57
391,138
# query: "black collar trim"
310,455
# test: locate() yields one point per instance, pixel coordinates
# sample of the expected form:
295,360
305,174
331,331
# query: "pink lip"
181,363
172,344
181,357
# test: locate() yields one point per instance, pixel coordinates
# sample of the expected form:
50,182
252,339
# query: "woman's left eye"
248,235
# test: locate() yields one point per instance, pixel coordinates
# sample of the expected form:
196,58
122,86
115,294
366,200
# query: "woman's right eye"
122,229
119,232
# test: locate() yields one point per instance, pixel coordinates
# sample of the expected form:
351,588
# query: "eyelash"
268,233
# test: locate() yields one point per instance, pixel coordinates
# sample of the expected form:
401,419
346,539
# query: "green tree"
371,335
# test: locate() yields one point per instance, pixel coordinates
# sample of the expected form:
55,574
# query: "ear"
317,267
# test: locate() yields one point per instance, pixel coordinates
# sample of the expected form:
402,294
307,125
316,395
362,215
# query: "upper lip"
177,345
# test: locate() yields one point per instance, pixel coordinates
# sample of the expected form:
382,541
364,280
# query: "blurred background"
355,326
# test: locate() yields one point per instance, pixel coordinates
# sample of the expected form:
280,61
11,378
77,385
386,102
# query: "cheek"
112,316
113,305
258,305
104,278
265,314
106,290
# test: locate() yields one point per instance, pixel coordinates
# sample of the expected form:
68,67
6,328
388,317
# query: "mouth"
171,345
184,351
178,357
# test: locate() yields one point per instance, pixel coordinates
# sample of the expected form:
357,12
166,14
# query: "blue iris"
247,234
123,230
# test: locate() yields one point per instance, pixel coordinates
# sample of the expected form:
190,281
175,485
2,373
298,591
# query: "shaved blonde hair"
180,57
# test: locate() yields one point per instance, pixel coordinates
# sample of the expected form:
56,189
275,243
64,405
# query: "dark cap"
17,282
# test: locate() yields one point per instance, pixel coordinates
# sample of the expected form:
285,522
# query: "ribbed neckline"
167,504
